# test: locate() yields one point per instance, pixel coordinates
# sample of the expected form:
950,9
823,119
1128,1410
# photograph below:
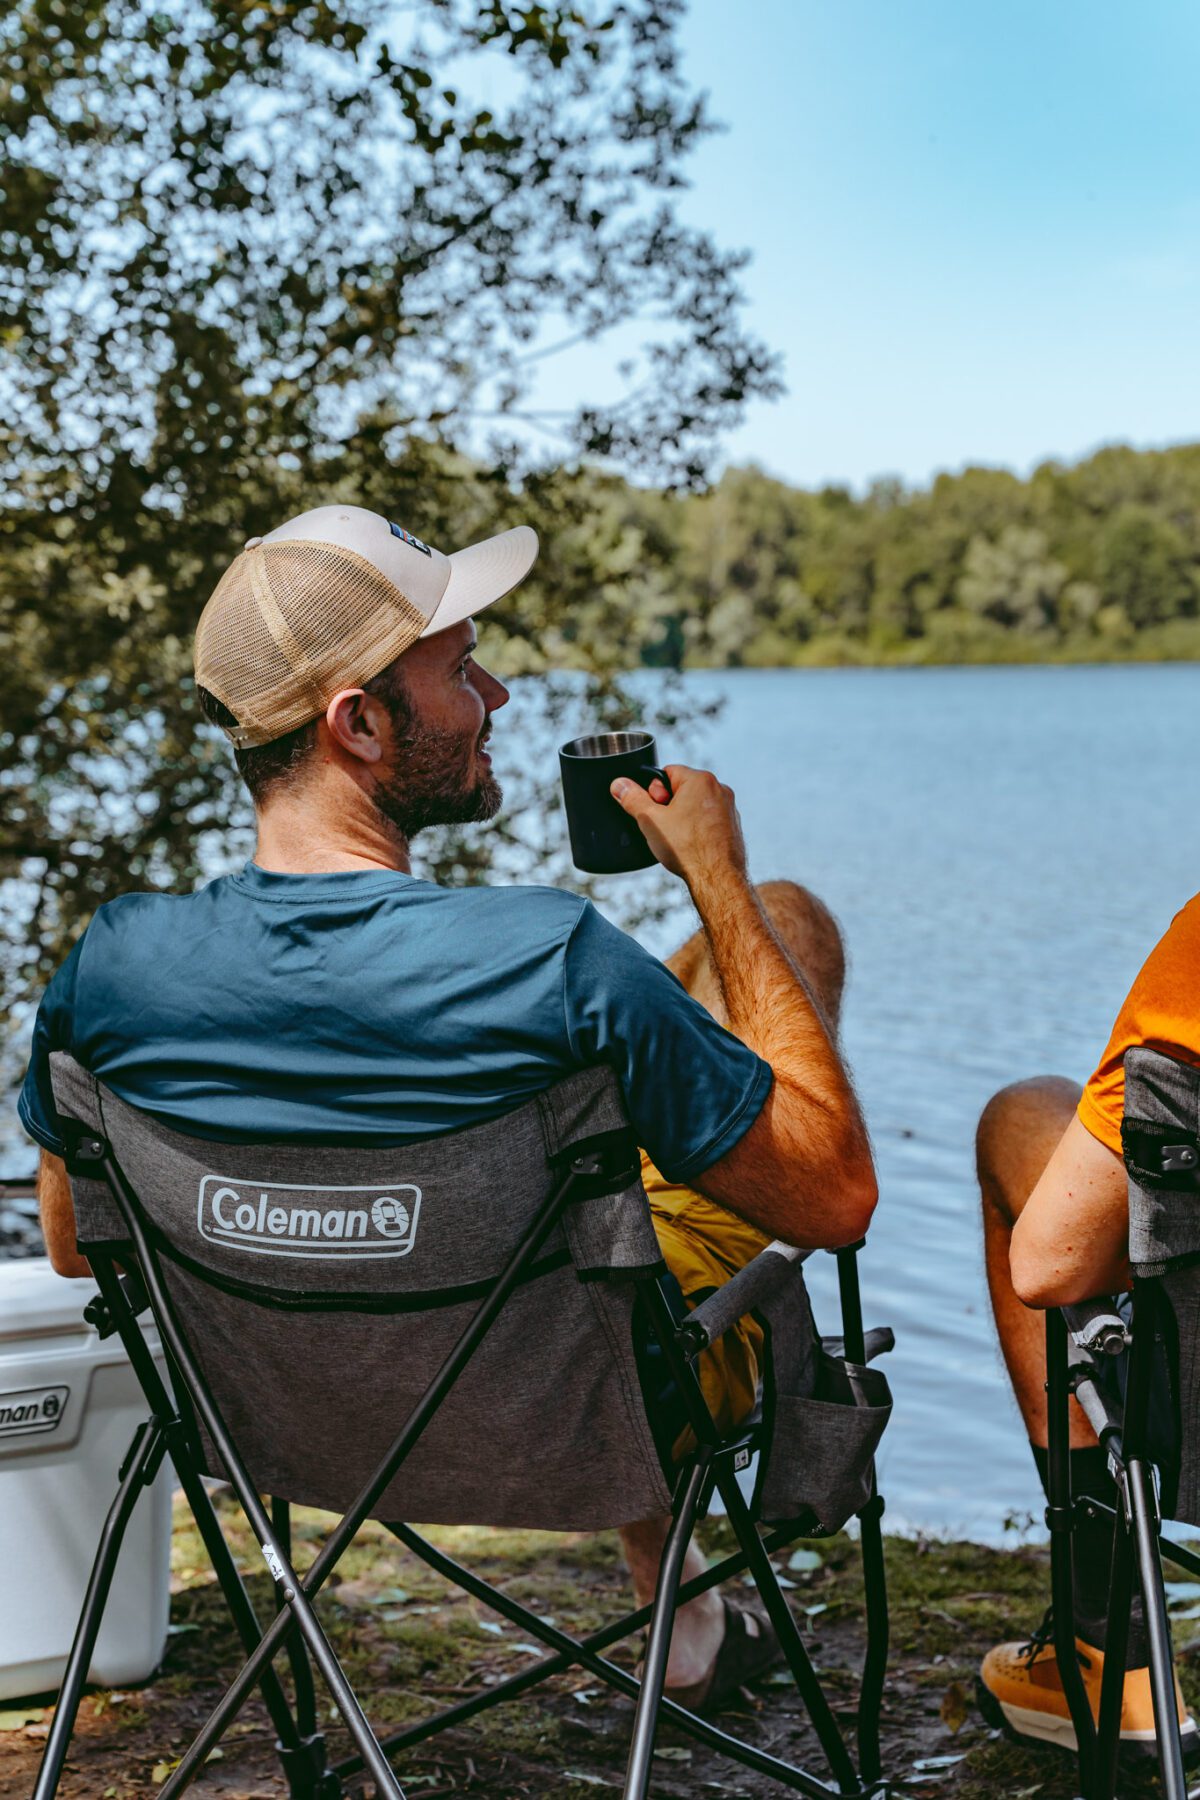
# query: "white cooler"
69,1408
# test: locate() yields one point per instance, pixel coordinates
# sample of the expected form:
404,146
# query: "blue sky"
976,228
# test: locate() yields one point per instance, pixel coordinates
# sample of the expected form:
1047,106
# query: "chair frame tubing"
172,1429
1137,1554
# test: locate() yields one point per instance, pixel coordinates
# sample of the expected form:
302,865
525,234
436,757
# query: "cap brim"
483,574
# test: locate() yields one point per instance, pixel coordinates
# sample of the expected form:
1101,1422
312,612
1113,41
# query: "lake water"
1002,848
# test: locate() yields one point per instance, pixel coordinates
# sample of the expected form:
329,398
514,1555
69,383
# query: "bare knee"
1018,1131
811,935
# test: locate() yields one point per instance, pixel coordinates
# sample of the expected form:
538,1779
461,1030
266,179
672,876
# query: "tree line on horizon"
1097,561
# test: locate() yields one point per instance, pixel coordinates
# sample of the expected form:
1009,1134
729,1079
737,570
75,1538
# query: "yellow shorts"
703,1245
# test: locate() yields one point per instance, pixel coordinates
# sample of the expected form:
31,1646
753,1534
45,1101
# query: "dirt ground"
410,1645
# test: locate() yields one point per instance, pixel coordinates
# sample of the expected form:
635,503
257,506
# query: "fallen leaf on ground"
22,1716
954,1707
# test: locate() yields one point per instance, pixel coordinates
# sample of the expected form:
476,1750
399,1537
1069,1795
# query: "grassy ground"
409,1645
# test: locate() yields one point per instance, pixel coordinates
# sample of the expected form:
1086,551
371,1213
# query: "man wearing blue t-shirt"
325,993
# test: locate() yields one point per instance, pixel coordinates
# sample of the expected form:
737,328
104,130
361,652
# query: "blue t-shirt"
367,1006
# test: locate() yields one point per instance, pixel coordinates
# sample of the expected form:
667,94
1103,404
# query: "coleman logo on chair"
287,1219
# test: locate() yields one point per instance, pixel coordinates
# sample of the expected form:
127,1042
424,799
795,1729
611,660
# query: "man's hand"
803,1170
58,1216
695,834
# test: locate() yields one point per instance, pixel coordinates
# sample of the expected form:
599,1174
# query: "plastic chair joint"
691,1337
85,1149
97,1314
153,1461
309,1776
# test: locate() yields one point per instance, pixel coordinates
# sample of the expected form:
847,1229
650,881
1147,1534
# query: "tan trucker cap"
327,601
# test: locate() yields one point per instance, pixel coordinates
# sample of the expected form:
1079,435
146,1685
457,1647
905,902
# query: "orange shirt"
1162,1012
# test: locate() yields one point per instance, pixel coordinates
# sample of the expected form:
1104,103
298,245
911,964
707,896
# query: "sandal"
748,1649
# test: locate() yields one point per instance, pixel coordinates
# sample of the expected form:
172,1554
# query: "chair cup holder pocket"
822,1448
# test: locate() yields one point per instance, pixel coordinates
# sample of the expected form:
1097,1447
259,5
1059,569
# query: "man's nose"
493,693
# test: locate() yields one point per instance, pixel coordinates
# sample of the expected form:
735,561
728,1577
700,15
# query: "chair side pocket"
822,1449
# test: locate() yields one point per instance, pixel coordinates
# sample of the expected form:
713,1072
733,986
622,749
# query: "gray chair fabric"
1161,1135
321,1288
824,1415
546,1427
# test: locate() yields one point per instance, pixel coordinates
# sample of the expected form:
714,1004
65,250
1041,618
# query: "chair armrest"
769,1273
876,1342
1095,1330
1096,1325
1100,1411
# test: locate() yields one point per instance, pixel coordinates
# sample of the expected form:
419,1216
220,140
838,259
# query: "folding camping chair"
1155,1465
344,1325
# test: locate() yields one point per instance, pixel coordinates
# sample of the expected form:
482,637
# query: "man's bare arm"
1071,1241
803,1170
57,1211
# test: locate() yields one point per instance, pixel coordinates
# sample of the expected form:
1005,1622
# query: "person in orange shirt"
1056,1227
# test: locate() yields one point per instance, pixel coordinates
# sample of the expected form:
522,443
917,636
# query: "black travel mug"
604,839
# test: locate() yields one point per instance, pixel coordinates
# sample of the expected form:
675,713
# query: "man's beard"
428,783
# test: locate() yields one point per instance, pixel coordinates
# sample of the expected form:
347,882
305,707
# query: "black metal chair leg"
297,1650
1103,1782
236,1598
1158,1630
1060,1521
787,1631
874,1675
584,1653
141,1466
662,1623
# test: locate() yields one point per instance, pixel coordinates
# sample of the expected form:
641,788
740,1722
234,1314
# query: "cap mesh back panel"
290,623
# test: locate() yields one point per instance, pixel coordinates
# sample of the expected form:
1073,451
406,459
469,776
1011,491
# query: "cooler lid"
35,1302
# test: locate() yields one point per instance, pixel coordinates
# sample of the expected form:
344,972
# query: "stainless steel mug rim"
607,743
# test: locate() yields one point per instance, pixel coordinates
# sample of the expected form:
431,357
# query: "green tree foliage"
1145,565
257,255
1078,563
1013,580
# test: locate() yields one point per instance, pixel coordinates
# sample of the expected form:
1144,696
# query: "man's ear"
354,721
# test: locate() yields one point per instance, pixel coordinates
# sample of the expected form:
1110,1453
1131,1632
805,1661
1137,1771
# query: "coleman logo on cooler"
32,1409
290,1219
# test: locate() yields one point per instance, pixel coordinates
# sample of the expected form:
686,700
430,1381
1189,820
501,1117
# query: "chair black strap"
604,1163
318,1300
1161,1156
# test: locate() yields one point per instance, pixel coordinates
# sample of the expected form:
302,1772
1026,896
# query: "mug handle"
649,769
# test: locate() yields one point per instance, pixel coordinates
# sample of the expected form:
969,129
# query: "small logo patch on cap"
406,537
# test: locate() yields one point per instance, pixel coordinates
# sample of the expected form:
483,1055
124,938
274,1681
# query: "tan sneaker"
1021,1690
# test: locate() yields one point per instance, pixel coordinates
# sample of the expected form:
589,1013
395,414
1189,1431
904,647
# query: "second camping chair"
1133,1364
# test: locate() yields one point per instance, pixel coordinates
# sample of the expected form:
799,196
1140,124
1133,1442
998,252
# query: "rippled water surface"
1002,848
